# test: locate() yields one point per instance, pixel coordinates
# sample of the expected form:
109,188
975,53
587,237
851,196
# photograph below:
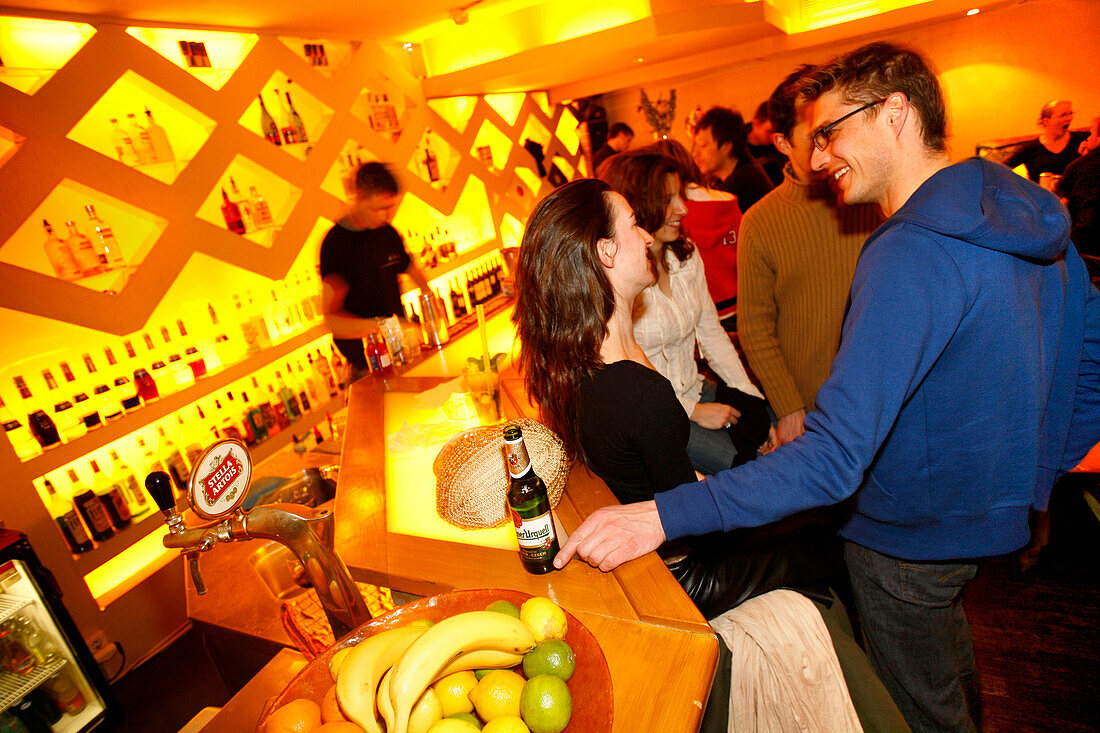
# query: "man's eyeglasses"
821,137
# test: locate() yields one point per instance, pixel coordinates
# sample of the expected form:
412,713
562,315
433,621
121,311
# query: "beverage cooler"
49,680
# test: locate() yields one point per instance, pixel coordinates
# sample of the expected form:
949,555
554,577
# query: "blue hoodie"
967,380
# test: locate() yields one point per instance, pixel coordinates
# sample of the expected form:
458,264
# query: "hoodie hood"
989,206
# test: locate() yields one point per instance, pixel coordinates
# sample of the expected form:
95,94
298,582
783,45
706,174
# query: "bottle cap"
101,389
158,365
191,351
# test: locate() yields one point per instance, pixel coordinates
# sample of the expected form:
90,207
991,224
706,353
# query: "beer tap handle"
159,485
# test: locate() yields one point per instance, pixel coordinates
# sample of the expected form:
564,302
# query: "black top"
605,151
634,431
771,160
1080,185
369,260
748,182
1040,160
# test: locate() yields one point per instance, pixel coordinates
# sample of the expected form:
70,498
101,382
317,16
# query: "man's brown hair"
876,71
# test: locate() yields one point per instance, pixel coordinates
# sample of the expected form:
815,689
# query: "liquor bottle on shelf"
232,214
313,387
226,424
146,385
295,118
125,390
288,398
300,387
153,462
188,56
142,142
60,255
267,411
158,138
243,206
261,211
173,458
84,251
111,497
529,505
64,513
41,426
290,133
259,322
282,415
268,128
458,303
431,163
18,434
123,144
124,477
248,328
105,243
65,417
108,405
324,372
90,508
162,377
198,48
195,362
180,372
254,417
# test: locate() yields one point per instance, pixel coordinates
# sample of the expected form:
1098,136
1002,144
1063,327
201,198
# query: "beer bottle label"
535,535
98,515
76,529
121,508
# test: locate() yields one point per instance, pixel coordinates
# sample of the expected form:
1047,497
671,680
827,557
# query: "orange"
297,716
330,709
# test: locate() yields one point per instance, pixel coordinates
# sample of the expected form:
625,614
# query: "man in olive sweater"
795,260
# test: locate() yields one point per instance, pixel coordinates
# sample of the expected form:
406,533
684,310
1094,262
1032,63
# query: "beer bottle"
529,506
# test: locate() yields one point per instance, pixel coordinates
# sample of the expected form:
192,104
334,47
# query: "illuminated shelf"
456,111
225,51
9,144
76,449
567,132
34,49
507,105
383,107
491,147
315,114
324,55
279,195
135,231
186,129
340,179
446,158
438,276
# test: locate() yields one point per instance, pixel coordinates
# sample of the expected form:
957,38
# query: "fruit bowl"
590,685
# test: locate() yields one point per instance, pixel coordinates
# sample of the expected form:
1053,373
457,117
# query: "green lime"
545,704
503,607
479,673
552,656
468,717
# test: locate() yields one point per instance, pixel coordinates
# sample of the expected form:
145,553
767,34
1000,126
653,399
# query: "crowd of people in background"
886,301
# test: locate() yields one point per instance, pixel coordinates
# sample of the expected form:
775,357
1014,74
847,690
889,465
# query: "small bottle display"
142,142
106,245
162,149
261,211
64,513
288,398
126,480
41,426
123,144
110,495
18,434
91,509
59,254
529,505
232,214
431,163
296,119
84,251
268,128
289,131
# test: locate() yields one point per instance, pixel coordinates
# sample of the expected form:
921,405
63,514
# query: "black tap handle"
159,485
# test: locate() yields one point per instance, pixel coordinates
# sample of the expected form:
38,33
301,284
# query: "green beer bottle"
529,506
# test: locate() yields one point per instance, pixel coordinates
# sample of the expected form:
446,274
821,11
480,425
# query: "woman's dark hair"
689,171
641,177
563,301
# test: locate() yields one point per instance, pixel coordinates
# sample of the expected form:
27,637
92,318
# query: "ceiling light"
639,59
407,45
973,11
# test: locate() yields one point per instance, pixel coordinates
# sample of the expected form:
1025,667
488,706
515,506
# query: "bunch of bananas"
386,674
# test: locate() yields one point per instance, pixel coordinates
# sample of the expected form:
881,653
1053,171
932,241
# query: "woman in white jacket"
676,313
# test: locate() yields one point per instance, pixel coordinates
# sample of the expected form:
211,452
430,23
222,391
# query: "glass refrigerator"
49,680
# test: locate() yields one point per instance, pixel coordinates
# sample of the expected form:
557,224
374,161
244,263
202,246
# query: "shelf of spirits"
212,57
340,179
434,161
33,49
142,126
384,107
85,237
288,116
492,147
455,111
250,201
325,55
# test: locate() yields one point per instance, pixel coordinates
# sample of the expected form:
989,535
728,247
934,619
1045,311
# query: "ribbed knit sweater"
795,259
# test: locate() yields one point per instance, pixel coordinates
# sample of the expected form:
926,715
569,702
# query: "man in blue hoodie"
967,380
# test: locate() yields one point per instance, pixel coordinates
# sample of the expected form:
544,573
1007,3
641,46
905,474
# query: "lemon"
468,717
506,725
552,656
454,693
425,712
544,617
546,704
453,725
497,694
337,660
503,607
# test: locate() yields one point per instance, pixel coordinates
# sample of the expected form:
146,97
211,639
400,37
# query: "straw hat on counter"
471,476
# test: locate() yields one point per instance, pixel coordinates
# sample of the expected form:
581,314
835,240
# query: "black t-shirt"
605,152
1080,185
369,261
1040,160
634,431
770,159
748,182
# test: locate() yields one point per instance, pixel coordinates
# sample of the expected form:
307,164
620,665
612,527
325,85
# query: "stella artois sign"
220,479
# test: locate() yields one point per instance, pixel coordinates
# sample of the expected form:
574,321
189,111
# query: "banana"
362,669
441,644
480,659
385,704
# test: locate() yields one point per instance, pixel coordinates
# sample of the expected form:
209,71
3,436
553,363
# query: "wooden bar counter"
660,650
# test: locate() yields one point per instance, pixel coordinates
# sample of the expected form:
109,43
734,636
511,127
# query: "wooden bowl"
590,685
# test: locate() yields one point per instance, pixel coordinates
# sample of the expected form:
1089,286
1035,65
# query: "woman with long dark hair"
728,420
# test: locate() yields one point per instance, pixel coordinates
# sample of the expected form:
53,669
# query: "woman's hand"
714,415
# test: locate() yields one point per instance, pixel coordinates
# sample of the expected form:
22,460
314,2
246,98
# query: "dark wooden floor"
1037,633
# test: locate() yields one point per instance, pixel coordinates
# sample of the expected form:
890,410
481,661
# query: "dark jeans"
917,636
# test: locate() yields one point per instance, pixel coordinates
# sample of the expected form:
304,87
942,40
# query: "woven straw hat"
471,477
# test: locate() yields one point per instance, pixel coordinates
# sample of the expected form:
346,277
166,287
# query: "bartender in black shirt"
361,257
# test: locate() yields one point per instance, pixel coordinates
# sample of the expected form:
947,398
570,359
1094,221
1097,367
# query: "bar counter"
659,648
